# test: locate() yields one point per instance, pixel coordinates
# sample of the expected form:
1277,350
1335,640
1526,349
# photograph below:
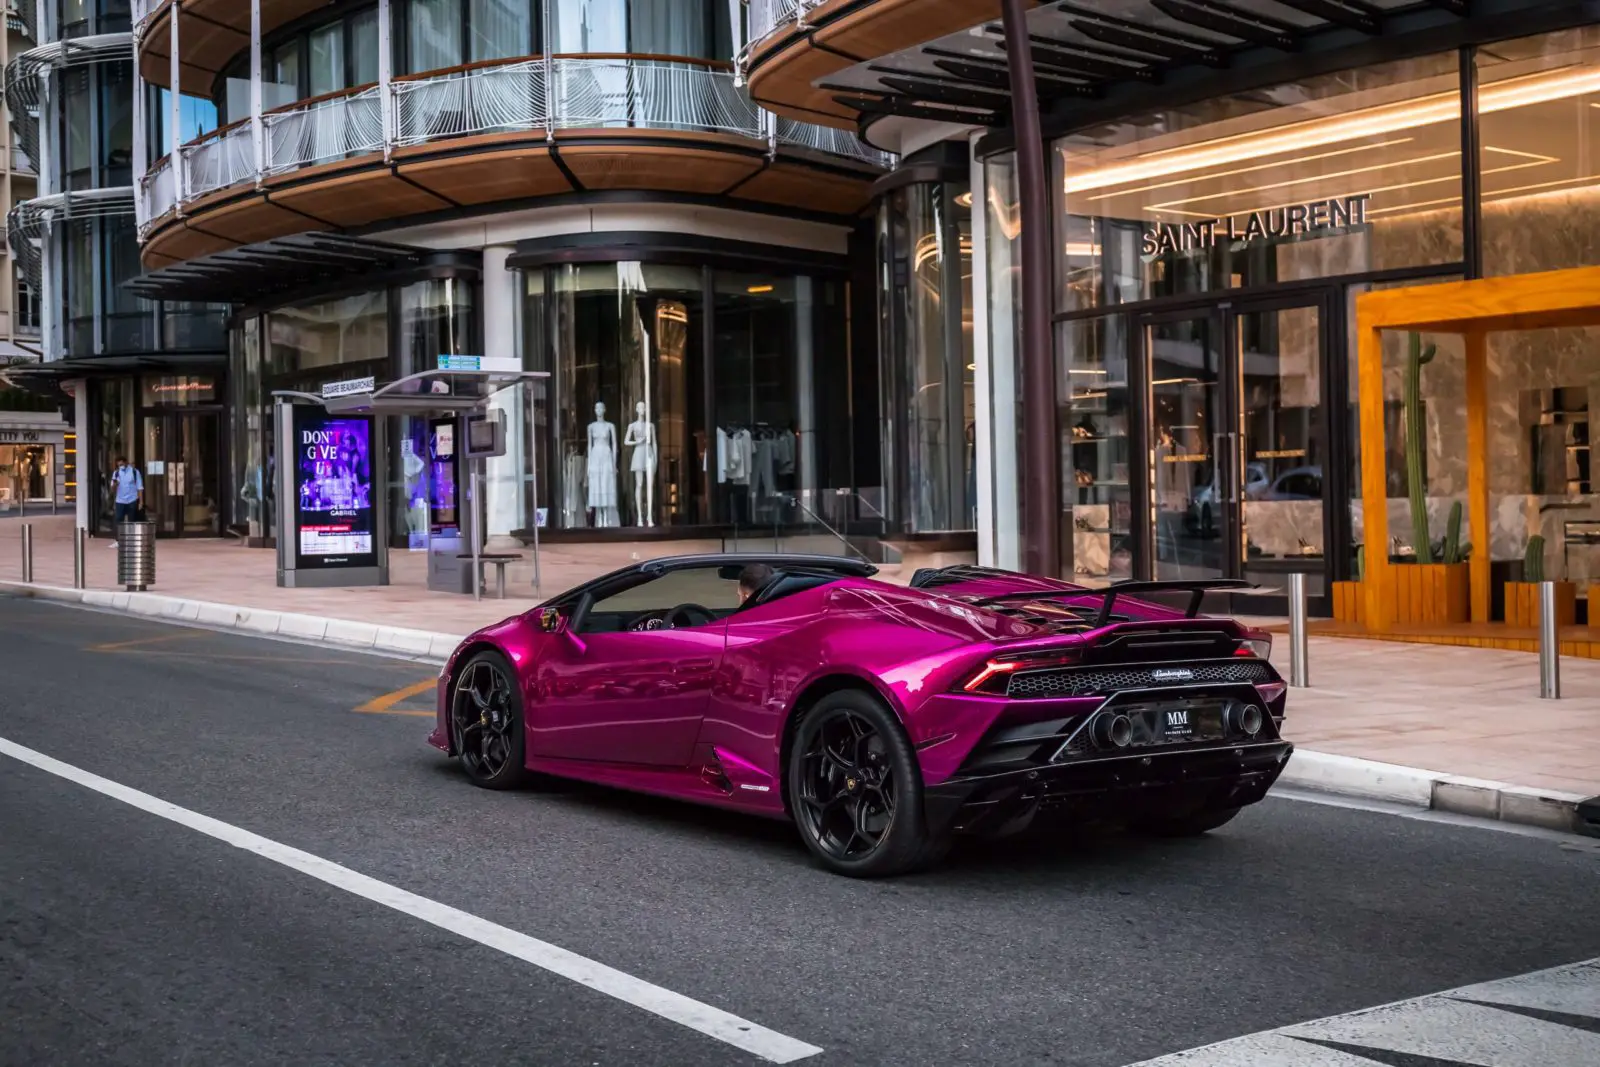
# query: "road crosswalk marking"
1544,1019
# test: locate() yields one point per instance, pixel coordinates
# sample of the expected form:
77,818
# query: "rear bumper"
1112,788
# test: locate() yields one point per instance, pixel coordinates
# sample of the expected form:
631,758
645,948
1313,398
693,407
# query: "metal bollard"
1549,644
27,552
1299,645
80,557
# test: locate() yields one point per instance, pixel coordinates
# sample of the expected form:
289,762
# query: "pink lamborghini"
881,719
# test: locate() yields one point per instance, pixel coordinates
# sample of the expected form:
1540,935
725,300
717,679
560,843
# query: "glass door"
183,473
1193,516
1235,438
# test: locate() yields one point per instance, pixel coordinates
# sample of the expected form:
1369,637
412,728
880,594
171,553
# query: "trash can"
136,555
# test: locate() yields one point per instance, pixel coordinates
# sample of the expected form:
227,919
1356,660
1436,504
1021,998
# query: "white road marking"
713,1022
1445,1026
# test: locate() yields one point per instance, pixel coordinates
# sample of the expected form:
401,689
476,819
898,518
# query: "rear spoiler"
1197,590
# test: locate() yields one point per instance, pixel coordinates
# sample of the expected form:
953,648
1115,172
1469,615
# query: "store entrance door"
1236,437
183,473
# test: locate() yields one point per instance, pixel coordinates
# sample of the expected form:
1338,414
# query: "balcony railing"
524,96
768,16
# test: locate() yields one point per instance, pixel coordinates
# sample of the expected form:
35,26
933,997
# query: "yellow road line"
386,702
116,645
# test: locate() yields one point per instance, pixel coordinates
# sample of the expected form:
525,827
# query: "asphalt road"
129,938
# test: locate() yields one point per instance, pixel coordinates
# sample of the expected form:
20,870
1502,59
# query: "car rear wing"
1197,590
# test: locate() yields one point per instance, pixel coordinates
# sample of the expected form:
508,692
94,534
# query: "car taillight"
991,677
1258,647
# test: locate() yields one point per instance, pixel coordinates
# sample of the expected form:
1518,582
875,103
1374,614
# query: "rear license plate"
1178,723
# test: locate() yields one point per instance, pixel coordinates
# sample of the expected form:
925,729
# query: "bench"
500,560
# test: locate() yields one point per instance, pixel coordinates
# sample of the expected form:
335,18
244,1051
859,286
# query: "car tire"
492,749
873,790
1192,825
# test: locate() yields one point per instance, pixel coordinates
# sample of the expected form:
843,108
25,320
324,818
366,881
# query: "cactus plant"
1533,560
1416,481
1452,536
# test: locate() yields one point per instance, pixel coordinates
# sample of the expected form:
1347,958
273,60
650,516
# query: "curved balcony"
795,44
504,131
26,71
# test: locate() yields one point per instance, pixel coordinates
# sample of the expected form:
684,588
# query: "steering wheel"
690,615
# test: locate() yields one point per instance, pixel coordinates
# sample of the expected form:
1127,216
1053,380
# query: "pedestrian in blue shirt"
128,486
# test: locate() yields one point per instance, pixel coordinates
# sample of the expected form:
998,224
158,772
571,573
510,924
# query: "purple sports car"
882,720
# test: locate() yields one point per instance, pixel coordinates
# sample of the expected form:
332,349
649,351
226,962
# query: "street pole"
1549,644
27,552
80,551
1299,645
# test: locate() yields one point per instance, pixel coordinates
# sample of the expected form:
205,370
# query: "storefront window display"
681,395
27,472
925,244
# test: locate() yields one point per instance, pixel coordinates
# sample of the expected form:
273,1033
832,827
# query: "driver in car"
752,578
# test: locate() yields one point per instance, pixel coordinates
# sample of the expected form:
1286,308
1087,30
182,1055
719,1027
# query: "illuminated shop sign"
1290,221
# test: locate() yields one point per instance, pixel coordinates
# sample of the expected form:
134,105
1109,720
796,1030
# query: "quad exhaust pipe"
1113,730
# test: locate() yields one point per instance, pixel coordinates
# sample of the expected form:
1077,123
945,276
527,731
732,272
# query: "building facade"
110,359
582,186
1220,183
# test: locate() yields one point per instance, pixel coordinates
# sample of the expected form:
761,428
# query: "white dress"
643,436
602,465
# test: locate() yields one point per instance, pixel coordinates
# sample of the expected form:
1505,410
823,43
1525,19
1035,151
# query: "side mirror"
552,621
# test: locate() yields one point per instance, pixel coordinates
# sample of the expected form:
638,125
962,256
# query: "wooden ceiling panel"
252,220
485,177
784,84
179,242
794,185
659,168
210,33
359,199
884,27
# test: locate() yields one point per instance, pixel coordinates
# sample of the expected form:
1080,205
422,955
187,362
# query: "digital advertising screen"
444,489
334,519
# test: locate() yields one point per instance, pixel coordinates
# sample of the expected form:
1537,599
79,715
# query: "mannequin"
642,436
603,468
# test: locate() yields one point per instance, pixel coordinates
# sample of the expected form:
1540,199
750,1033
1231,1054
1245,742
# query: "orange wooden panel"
1477,368
359,199
798,186
1594,606
657,168
1523,598
785,84
1374,483
251,220
1541,300
179,241
484,177
883,27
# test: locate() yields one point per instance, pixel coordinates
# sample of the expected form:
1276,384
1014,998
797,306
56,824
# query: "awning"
1082,53
55,370
255,273
459,390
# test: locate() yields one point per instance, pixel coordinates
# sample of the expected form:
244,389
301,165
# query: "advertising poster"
334,521
444,501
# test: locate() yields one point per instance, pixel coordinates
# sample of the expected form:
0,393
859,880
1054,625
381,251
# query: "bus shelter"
334,522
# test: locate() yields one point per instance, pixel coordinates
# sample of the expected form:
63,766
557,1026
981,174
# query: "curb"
364,636
1436,791
1322,772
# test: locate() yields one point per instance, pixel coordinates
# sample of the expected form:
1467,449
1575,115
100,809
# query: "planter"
1349,602
1522,604
1432,592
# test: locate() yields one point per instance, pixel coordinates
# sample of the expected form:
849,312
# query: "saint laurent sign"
1289,221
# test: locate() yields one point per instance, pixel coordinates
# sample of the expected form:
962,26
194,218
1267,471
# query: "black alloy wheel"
486,723
855,788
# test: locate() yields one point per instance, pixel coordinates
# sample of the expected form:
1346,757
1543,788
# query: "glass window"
283,70
433,35
75,17
628,345
116,124
928,358
326,59
1096,450
76,128
756,371
438,317
79,252
1002,233
1539,151
27,473
364,47
500,29
352,329
704,586
589,26
1341,174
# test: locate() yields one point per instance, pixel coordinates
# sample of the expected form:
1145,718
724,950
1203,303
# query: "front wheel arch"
463,656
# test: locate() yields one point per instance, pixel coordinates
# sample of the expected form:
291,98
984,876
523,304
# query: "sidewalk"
1455,729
